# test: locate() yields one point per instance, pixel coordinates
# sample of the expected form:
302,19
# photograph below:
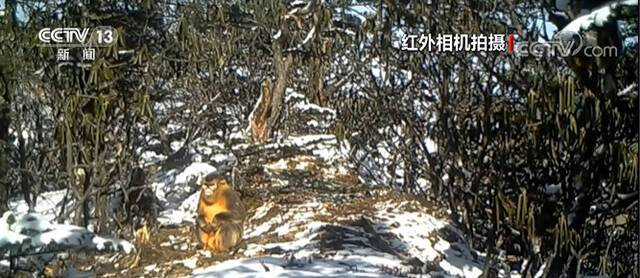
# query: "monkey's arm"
237,211
226,216
234,216
204,226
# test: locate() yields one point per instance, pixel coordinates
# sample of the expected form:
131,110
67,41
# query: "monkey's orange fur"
220,216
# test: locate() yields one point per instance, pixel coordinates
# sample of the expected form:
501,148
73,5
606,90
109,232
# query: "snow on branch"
614,10
630,91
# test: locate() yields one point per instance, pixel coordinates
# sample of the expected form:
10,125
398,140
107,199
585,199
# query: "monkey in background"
141,208
221,214
141,204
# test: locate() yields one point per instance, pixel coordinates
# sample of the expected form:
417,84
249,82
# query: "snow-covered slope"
24,234
316,238
310,215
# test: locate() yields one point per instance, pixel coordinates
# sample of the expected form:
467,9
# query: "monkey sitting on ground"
221,214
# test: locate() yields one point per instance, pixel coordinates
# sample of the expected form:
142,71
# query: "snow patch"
32,232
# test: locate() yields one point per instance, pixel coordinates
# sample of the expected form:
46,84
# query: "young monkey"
221,215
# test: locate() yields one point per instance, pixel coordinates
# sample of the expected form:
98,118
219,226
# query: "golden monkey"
221,215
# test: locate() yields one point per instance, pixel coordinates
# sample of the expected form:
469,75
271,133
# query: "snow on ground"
322,145
177,191
301,103
151,158
31,230
305,117
29,233
315,224
268,266
297,234
411,228
184,214
313,239
177,188
319,234
322,235
48,204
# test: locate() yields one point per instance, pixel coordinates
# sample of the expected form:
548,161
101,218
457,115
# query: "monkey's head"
210,184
